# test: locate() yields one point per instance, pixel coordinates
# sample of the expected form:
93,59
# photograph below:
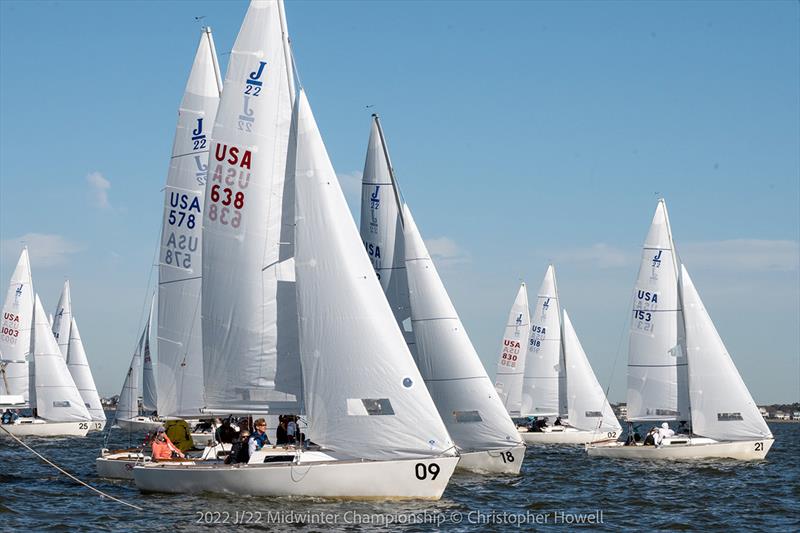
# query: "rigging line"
46,460
627,325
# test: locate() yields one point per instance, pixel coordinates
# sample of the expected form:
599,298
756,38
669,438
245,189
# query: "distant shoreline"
777,421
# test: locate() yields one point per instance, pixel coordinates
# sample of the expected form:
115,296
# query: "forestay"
588,406
462,391
511,366
722,407
62,319
15,340
544,378
81,374
364,394
250,346
657,372
57,398
180,353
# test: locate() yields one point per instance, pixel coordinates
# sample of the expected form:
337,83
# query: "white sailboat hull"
38,427
140,423
567,435
503,461
119,464
374,480
694,448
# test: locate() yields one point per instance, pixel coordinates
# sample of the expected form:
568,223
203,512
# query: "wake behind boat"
679,369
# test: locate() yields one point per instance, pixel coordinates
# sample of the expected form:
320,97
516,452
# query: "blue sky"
521,133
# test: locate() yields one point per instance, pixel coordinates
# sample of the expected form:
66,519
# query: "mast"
215,61
395,187
287,52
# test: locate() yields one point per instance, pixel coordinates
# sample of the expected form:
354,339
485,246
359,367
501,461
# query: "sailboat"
127,415
65,331
558,381
679,369
484,434
286,235
33,368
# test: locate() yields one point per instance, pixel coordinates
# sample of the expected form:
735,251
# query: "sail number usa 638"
228,184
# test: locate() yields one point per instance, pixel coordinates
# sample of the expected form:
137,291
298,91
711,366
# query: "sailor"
179,433
240,450
163,448
258,439
665,431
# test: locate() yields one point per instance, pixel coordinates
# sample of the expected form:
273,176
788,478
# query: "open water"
560,486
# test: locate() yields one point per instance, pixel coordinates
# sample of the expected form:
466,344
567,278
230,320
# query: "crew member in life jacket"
259,438
163,448
180,434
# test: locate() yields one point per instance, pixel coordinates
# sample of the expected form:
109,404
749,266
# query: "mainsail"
364,394
15,340
149,393
464,395
657,372
544,379
62,319
511,366
180,350
128,404
722,407
250,348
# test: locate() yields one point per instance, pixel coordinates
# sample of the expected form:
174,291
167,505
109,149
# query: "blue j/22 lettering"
254,82
198,137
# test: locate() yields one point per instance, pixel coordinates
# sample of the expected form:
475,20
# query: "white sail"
249,317
722,407
657,372
511,366
180,347
128,404
544,377
588,406
57,397
364,394
464,395
15,340
149,393
61,320
381,225
78,366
